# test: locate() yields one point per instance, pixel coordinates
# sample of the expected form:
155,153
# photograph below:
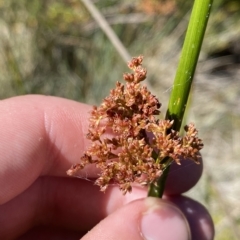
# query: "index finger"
40,135
43,135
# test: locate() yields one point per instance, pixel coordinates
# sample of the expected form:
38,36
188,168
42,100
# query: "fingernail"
163,221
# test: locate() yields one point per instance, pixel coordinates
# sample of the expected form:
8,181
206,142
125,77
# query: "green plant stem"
157,190
184,76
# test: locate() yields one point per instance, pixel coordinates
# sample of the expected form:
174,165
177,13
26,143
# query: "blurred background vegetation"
56,48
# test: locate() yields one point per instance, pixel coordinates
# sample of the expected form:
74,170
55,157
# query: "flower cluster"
128,114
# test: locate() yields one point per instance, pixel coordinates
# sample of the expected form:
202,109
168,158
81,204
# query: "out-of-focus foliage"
55,47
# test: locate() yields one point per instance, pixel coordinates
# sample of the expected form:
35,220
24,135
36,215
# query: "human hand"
41,137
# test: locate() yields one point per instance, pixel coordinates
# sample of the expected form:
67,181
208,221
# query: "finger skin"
43,232
201,223
42,136
126,223
61,202
182,178
76,206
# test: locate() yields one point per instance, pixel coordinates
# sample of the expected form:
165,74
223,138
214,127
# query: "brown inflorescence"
128,114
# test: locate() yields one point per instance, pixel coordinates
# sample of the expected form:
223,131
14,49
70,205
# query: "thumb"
148,219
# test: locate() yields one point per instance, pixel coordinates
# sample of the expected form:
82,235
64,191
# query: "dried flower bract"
128,114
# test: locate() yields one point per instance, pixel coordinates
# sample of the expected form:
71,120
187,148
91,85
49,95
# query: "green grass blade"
188,61
184,76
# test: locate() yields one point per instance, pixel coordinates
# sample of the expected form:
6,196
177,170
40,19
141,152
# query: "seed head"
129,115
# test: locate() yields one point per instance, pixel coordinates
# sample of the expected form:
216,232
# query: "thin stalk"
157,190
106,28
184,76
